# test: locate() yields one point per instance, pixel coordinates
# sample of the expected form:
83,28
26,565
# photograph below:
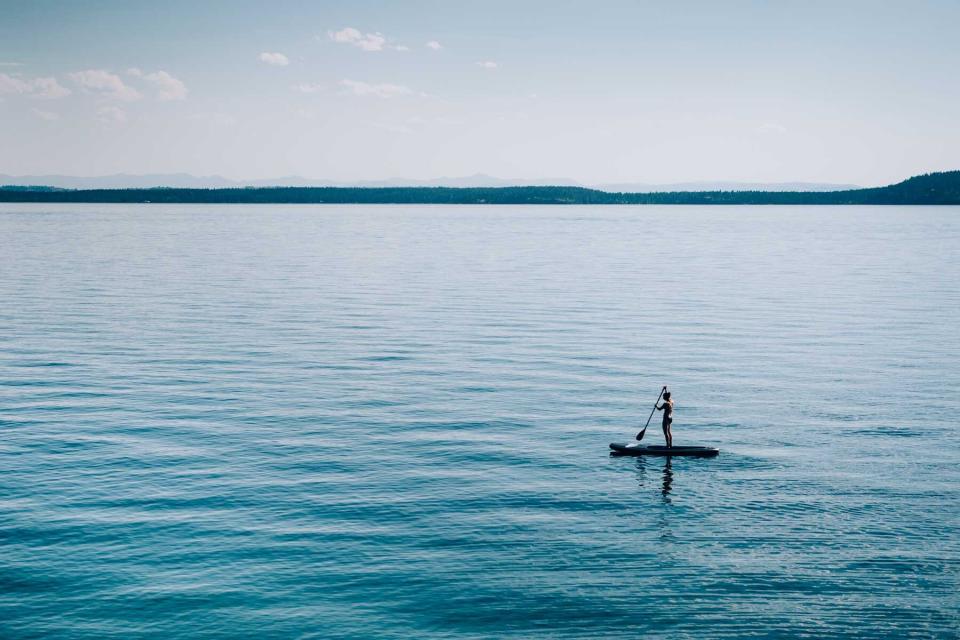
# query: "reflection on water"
665,486
667,479
641,471
666,476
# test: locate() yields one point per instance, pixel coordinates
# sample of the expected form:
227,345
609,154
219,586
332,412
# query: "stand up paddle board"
637,449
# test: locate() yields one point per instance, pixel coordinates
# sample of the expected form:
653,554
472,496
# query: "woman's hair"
666,395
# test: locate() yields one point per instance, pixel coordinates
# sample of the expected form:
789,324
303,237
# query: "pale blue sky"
862,92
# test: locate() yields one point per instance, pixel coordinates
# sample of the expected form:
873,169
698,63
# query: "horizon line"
439,181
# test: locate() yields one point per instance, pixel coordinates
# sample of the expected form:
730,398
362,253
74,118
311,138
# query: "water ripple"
392,422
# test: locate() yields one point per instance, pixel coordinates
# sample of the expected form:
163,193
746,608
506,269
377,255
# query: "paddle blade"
641,434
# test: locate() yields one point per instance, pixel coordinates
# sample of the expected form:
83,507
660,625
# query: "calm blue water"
392,422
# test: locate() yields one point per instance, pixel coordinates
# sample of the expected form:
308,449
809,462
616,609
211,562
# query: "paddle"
640,435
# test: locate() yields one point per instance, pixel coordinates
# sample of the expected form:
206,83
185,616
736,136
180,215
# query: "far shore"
941,188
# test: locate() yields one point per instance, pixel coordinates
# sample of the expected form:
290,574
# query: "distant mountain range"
188,181
932,188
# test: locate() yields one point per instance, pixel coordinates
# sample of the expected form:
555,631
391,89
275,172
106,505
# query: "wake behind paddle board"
637,449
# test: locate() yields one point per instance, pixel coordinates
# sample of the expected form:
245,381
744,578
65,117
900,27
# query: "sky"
598,92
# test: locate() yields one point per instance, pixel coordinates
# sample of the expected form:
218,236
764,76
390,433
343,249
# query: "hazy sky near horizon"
604,91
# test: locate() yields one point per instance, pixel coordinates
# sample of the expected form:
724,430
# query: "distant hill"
188,181
122,181
932,188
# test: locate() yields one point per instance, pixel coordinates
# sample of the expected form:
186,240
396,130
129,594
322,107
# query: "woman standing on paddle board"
667,408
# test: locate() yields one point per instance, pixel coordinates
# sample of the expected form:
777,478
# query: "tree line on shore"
932,188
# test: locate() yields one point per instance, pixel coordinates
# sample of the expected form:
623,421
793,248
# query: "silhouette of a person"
667,408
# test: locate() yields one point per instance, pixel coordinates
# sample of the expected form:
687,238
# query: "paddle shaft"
654,409
640,435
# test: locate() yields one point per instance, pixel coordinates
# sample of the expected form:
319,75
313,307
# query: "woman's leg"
668,433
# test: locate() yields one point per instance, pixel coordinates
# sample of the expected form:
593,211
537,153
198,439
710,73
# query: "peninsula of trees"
932,188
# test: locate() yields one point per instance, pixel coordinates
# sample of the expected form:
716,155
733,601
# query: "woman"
667,408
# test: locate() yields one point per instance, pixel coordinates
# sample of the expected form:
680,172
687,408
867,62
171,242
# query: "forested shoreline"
934,188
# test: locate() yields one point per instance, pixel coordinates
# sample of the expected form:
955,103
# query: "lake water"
392,422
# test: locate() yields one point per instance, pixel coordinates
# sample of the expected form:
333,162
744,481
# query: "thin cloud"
11,64
47,88
306,87
365,41
487,64
167,86
105,84
12,84
385,90
49,116
276,59
433,44
111,115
